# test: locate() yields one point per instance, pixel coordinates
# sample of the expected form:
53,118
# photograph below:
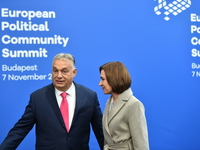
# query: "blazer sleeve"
138,126
20,129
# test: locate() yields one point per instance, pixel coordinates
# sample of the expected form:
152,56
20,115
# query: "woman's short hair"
66,56
117,76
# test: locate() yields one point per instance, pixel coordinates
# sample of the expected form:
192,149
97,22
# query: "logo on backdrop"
174,8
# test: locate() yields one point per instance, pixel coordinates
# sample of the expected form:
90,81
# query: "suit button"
68,138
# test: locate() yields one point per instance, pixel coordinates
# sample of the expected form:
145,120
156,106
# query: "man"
53,132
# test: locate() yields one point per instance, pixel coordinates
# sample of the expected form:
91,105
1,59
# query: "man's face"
104,83
63,74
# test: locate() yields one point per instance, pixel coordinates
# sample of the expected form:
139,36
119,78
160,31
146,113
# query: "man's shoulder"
44,89
83,87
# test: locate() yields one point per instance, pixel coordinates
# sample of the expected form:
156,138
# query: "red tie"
64,110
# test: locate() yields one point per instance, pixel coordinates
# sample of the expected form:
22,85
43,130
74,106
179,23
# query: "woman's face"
107,89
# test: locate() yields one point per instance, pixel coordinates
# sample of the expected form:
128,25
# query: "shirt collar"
69,91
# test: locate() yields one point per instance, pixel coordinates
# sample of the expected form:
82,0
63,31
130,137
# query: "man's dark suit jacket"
51,134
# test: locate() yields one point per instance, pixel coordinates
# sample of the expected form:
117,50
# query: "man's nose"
59,74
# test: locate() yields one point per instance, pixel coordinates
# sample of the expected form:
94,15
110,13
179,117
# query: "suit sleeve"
97,122
20,129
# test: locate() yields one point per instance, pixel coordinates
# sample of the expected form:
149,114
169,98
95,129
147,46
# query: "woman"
124,122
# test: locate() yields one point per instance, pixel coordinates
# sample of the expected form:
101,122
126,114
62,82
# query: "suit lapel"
52,99
79,98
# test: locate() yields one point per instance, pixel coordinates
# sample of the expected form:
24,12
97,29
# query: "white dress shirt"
71,98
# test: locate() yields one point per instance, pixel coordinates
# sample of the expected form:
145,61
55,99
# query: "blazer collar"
120,102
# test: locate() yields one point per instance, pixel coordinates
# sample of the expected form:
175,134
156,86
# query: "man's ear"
74,72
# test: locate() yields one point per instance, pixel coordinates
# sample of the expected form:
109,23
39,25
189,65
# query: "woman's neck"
115,96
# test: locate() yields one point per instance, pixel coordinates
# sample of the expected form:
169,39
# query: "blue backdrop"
157,40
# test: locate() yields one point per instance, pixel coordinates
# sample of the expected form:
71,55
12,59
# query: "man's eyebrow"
62,68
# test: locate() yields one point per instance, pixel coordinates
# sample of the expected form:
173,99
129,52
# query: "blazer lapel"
105,117
120,102
52,99
115,109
